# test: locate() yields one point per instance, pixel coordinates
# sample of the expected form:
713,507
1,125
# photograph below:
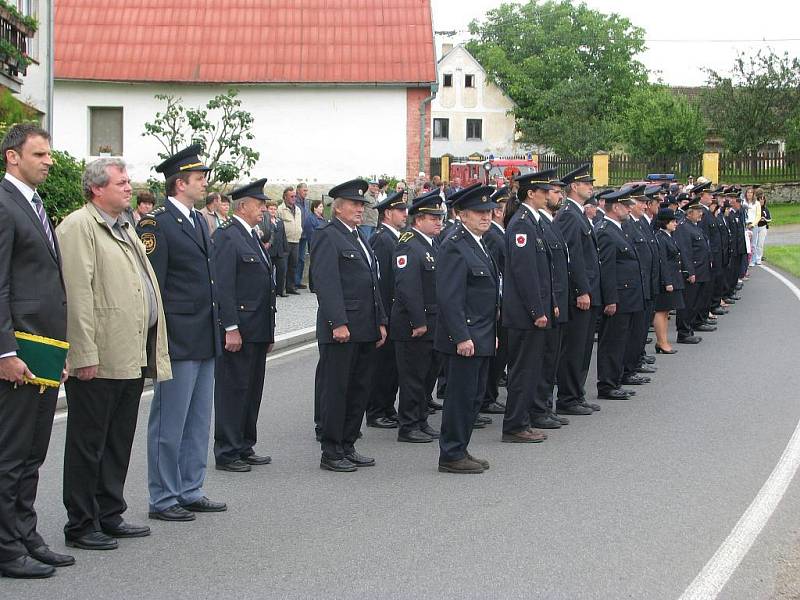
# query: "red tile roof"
245,41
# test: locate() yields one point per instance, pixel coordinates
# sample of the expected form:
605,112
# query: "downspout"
423,105
50,62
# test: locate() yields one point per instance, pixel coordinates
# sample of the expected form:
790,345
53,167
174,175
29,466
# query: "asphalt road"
627,503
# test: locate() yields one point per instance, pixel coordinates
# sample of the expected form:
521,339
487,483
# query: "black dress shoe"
705,327
493,408
301,287
382,423
173,513
559,418
660,350
360,460
718,310
592,405
283,295
575,409
478,425
26,567
629,392
427,429
293,292
692,339
635,380
484,419
235,466
614,395
255,459
339,465
649,359
431,411
646,369
435,405
502,381
648,340
126,530
545,422
414,437
97,540
44,555
206,505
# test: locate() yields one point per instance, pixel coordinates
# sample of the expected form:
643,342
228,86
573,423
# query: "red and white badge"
521,239
402,261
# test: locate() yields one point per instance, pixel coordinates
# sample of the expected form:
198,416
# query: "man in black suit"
467,289
585,300
393,213
696,261
623,296
32,300
414,316
247,314
351,324
177,242
273,232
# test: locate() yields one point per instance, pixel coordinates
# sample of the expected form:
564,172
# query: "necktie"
257,240
198,228
483,247
37,203
360,247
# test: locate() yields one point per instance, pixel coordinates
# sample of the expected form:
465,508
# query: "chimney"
446,48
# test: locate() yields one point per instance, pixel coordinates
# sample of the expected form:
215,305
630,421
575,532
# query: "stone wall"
781,193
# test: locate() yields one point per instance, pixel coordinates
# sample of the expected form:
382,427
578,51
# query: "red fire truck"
493,171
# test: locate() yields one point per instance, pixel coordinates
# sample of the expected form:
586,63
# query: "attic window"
448,80
469,81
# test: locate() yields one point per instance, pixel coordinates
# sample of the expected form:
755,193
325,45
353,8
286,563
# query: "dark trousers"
525,359
701,303
291,265
716,271
743,264
721,283
384,383
615,334
280,274
345,375
684,317
649,311
417,367
302,249
497,366
441,380
576,355
552,352
466,377
635,344
26,419
101,423
238,386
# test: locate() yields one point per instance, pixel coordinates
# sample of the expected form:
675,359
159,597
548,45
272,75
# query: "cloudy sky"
683,36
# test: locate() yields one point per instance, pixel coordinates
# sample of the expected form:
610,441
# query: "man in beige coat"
117,335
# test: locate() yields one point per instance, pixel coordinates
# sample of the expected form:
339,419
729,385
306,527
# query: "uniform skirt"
669,301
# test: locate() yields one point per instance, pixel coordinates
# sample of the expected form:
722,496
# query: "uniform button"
212,282
242,307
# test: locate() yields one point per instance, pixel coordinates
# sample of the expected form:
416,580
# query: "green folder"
45,358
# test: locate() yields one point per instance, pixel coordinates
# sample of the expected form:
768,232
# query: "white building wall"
34,82
319,135
485,101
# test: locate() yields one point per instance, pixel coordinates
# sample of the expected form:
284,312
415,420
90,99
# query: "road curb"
282,342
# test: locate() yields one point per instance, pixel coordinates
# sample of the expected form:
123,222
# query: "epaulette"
225,224
157,211
523,215
405,236
324,225
602,224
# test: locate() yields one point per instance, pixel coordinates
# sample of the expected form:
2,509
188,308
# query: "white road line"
717,571
62,415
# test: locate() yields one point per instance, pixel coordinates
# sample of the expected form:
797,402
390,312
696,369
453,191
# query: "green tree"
568,68
660,124
222,127
755,103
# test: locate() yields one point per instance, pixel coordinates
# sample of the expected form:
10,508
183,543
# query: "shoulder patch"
521,239
405,236
402,261
149,242
148,221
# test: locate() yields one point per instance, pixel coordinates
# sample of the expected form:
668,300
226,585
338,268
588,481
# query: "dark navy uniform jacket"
644,241
584,264
738,231
244,283
559,255
725,237
183,262
495,241
620,271
415,302
671,272
710,228
383,243
528,285
467,290
694,250
346,285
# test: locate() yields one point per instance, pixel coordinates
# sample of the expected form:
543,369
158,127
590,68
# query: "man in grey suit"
32,300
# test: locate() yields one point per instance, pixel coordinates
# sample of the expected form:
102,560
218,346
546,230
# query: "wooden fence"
773,167
623,168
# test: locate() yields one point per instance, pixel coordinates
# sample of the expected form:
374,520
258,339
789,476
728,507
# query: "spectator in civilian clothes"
383,187
292,217
274,238
302,202
145,201
211,211
761,228
367,228
314,219
224,207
